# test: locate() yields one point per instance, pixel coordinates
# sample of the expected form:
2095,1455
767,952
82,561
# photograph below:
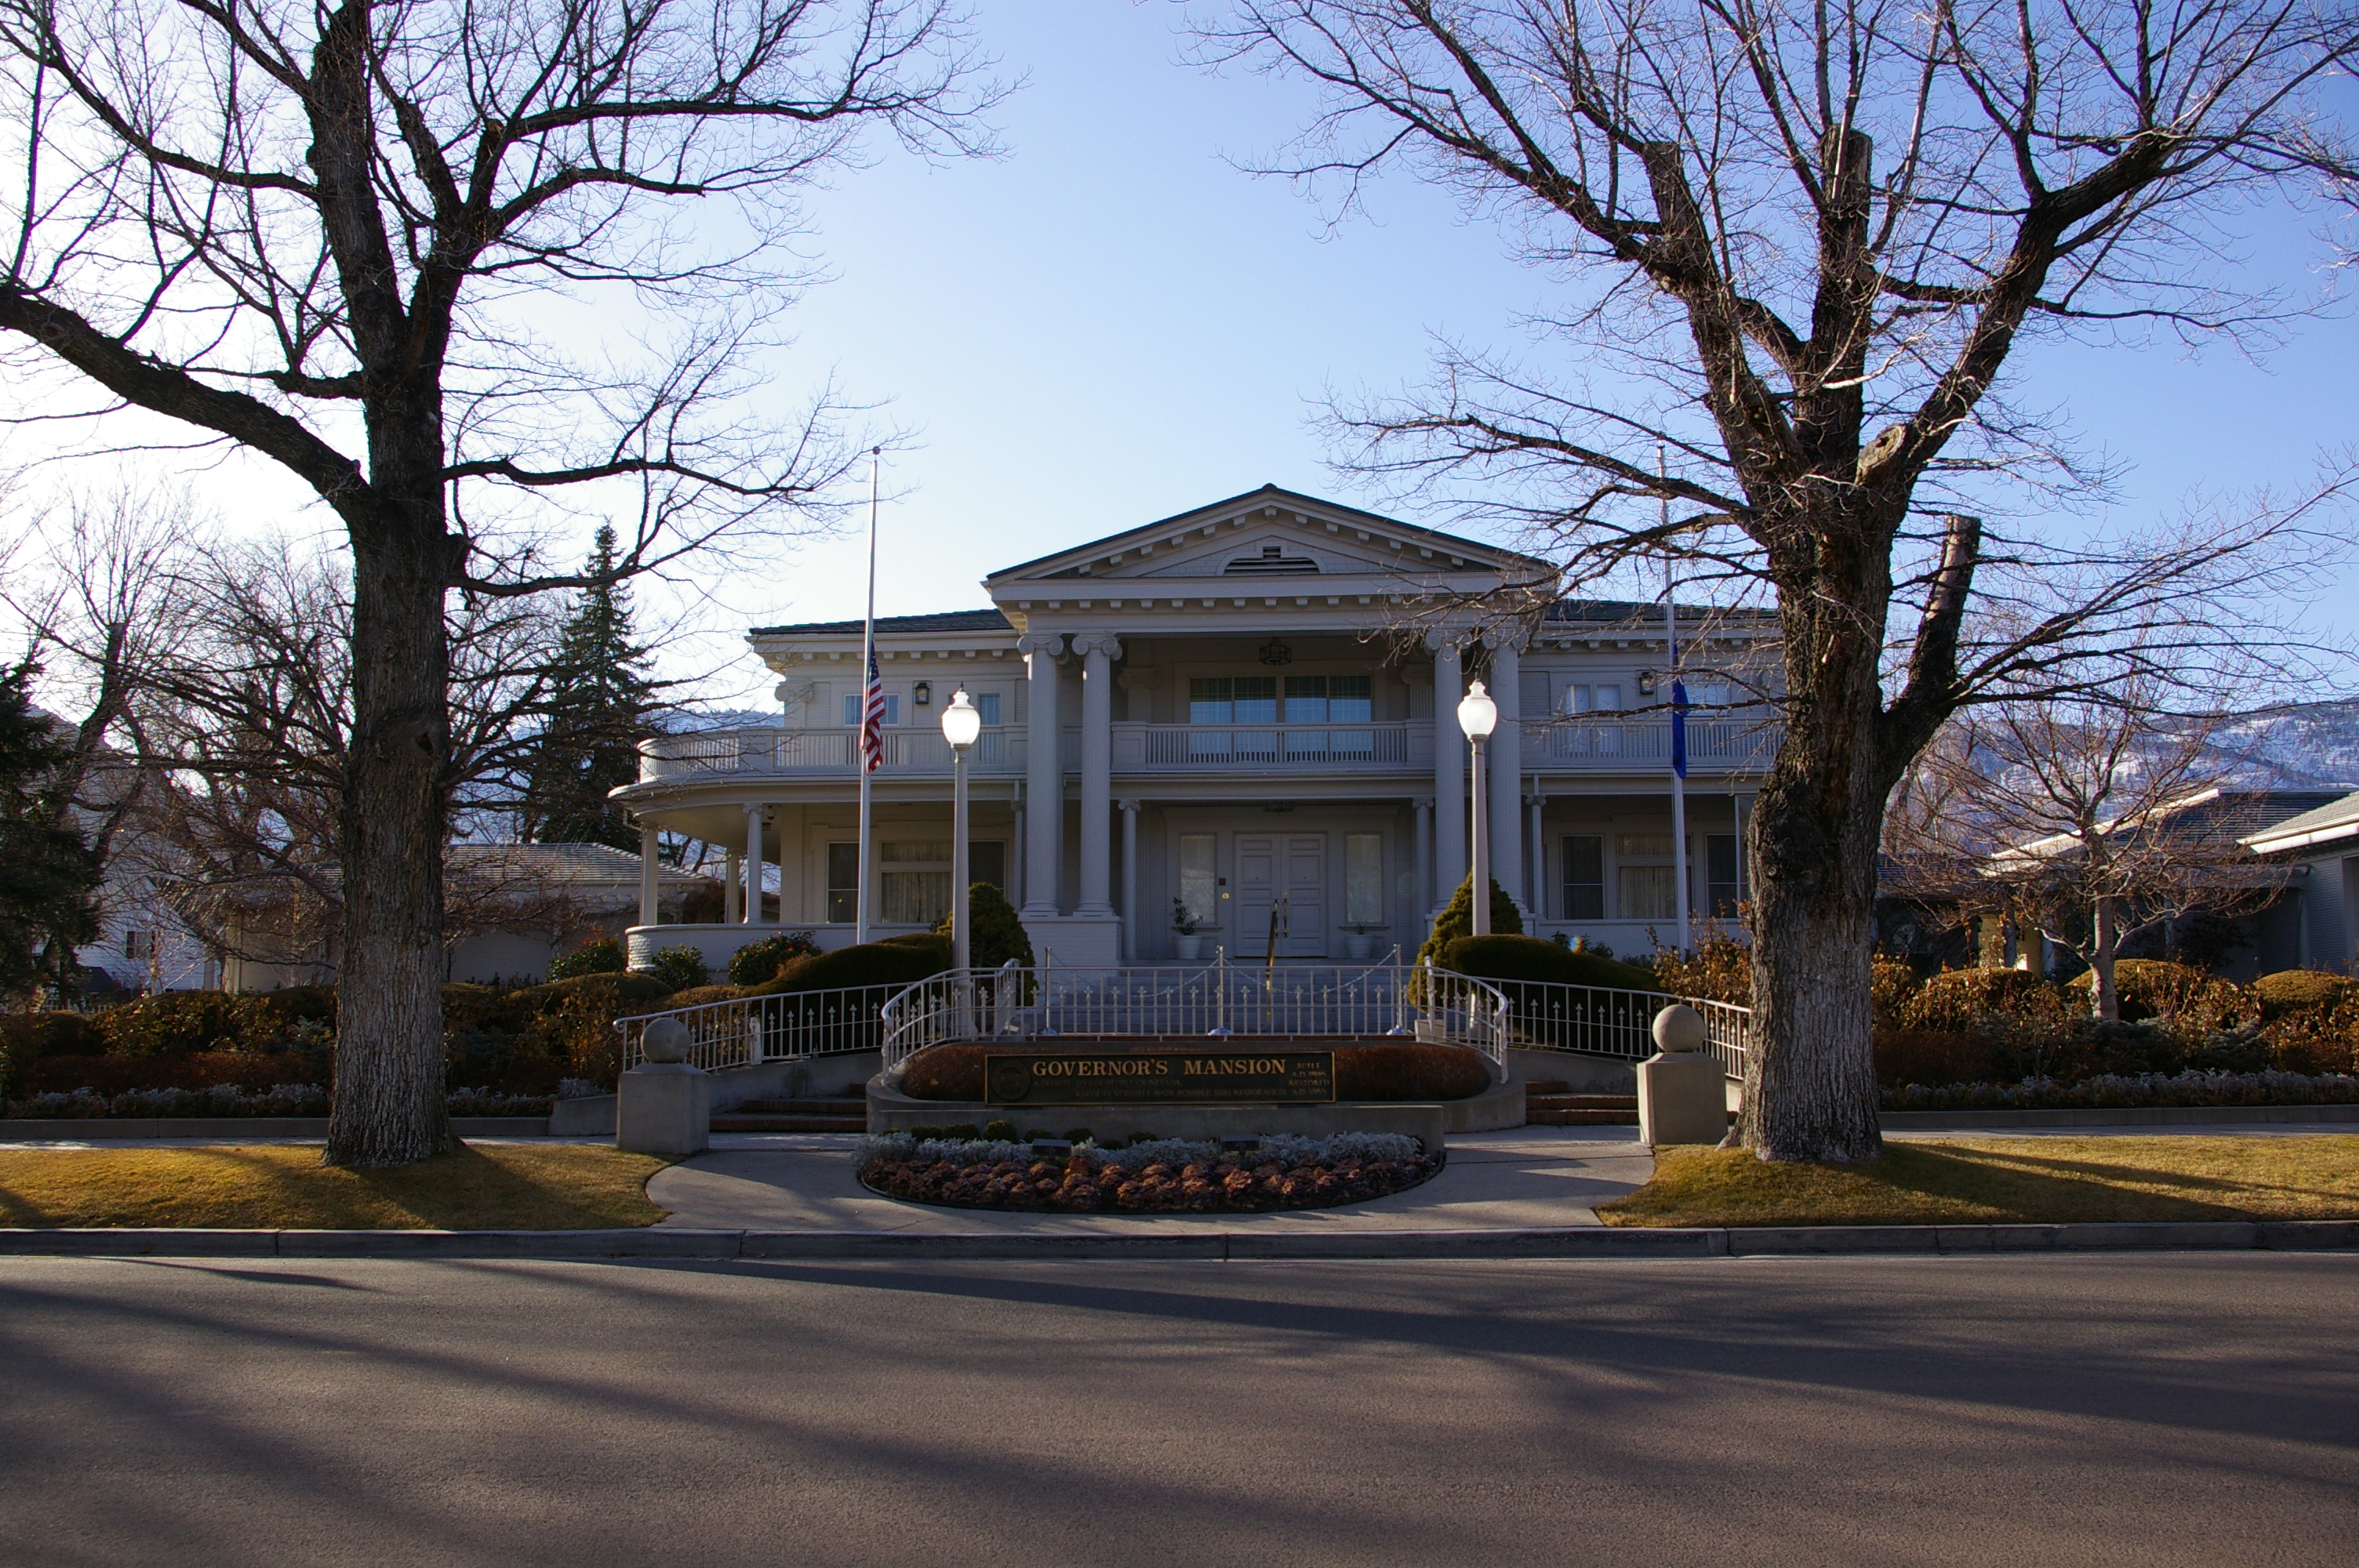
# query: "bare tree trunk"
2104,944
1809,1077
389,1107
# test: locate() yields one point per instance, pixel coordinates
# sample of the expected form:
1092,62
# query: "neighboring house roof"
947,621
2336,820
2211,816
572,866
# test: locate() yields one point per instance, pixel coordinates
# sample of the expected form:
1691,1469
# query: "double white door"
1281,889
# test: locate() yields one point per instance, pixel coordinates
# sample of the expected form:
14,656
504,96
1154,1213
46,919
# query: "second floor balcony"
1583,745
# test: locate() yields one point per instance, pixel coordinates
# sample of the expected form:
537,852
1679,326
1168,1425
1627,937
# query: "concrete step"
1568,1118
834,1105
1546,1086
1581,1102
735,1121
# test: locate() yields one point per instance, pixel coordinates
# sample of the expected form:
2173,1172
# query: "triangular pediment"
1269,534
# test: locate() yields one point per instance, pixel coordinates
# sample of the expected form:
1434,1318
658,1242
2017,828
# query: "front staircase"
835,1113
1550,1102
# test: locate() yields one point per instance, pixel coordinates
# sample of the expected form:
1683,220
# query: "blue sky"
1113,324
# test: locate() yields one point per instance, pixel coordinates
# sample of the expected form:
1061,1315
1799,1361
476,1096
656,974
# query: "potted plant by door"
1358,945
1183,922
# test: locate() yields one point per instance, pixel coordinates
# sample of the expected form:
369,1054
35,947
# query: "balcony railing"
1715,745
998,752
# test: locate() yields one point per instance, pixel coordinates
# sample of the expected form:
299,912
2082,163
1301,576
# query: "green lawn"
1955,1180
499,1187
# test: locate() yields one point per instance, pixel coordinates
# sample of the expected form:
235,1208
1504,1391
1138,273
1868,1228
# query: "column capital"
1050,642
1447,639
1421,803
1131,806
1088,642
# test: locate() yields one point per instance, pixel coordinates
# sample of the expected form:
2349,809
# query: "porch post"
1130,929
1098,652
1448,769
650,904
733,887
1536,856
1044,790
753,864
1422,833
1506,769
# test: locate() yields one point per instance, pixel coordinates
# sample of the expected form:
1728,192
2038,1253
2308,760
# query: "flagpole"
1678,716
868,662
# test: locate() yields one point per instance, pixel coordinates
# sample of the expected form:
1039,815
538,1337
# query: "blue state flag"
1679,727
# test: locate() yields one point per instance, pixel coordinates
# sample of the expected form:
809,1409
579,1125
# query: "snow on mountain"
2301,745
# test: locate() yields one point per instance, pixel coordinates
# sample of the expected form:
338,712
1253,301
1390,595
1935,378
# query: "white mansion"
1245,712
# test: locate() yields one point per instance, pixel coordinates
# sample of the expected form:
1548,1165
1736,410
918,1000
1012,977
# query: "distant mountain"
2300,745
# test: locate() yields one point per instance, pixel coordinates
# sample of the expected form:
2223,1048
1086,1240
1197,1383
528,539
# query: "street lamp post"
960,725
1478,715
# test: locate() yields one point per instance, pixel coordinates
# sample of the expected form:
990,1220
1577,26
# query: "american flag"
871,721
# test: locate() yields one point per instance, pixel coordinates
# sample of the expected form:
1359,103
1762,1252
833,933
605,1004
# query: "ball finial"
666,1040
1678,1029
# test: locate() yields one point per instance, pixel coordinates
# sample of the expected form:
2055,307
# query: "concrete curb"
1996,1120
1568,1242
228,1129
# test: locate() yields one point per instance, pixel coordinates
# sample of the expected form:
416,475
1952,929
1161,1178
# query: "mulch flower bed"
1082,1186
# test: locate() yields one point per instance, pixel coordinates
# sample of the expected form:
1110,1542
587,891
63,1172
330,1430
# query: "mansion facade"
1241,718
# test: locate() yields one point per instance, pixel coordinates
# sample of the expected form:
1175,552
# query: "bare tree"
2093,822
1810,237
318,235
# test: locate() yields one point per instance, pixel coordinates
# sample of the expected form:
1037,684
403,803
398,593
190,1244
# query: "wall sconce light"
1647,681
923,693
1275,652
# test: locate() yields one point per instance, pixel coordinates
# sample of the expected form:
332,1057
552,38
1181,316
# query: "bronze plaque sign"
1159,1078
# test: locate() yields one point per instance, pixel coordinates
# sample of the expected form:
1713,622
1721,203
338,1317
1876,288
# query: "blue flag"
1679,727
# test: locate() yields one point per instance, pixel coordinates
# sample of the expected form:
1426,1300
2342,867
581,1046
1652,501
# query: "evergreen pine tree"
47,900
602,694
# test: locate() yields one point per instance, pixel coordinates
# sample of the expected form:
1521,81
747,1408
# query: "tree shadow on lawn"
505,1189
1920,1183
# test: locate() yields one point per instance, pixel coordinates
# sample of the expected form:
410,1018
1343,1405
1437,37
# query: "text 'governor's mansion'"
1241,718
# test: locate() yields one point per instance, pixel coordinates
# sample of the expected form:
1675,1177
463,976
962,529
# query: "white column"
753,864
1018,874
1098,652
1506,769
733,887
1130,927
1044,819
1423,849
1448,769
1536,857
650,903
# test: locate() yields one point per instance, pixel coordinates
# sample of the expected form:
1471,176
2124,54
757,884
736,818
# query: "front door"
1281,886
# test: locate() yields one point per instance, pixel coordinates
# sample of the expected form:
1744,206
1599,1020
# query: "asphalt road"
2150,1409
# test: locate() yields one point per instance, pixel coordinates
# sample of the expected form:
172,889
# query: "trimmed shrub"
2289,994
993,934
700,996
1932,1057
2189,1001
176,1023
2003,1002
897,960
757,963
1720,970
1514,958
679,968
303,1004
603,956
1892,985
1457,919
27,1038
255,1072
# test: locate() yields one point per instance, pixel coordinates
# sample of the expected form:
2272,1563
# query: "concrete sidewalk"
1526,1178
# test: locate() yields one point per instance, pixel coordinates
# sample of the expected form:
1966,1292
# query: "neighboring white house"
1248,710
2317,927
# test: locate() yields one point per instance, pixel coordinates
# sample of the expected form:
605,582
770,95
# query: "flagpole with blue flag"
871,737
1678,724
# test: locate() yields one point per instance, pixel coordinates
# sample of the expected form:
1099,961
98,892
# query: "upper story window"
892,708
987,704
1323,699
1232,700
1253,699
